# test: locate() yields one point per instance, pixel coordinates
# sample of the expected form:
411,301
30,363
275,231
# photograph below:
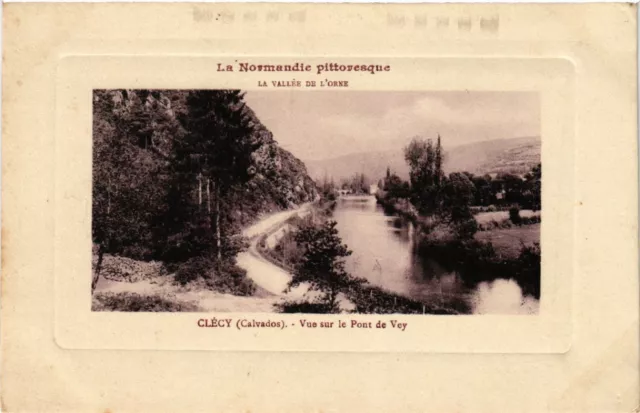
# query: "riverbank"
493,227
512,252
364,298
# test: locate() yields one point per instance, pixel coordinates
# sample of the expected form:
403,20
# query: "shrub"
514,215
231,279
370,299
527,269
467,228
132,302
530,220
303,307
193,269
225,278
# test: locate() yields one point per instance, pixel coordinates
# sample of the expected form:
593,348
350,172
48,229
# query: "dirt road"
267,275
272,279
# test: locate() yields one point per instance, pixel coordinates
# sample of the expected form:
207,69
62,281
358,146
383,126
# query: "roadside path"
265,274
268,276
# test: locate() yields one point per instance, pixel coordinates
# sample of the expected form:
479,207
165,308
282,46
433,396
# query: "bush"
536,219
303,307
231,279
228,278
370,299
128,270
493,224
514,215
132,302
193,269
490,208
466,229
527,269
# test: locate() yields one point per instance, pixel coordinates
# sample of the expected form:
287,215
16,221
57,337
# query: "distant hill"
515,156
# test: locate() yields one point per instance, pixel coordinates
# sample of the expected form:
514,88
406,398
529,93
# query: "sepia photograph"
290,201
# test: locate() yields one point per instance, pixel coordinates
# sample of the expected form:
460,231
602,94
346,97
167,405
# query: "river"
382,248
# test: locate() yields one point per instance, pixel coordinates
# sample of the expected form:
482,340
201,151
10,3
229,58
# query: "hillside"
155,171
516,155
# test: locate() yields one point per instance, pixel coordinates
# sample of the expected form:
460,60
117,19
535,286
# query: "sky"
321,125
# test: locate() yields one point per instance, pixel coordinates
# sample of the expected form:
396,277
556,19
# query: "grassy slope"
508,242
485,217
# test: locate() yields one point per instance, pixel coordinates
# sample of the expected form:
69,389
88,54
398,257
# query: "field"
508,241
498,216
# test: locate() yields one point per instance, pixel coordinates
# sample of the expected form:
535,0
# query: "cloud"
317,125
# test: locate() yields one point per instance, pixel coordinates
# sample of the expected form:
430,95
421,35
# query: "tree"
322,264
533,183
217,151
513,186
457,196
395,187
128,174
425,163
483,194
438,159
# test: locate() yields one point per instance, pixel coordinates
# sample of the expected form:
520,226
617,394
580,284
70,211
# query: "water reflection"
382,248
502,297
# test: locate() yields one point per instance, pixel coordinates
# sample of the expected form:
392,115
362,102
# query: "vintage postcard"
282,196
242,196
411,202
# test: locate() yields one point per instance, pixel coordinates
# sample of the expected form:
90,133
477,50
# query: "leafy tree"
396,187
457,196
425,163
358,183
127,175
533,183
513,186
483,193
322,264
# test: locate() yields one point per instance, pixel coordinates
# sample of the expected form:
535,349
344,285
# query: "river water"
383,253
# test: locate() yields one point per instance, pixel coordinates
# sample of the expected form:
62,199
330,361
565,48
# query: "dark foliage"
322,263
370,299
225,277
304,307
477,261
514,215
177,174
527,270
132,302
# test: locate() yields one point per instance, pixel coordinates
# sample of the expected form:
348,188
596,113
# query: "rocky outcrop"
280,181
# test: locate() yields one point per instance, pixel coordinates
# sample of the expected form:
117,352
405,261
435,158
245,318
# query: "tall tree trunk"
109,197
208,197
199,190
96,275
333,294
218,233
